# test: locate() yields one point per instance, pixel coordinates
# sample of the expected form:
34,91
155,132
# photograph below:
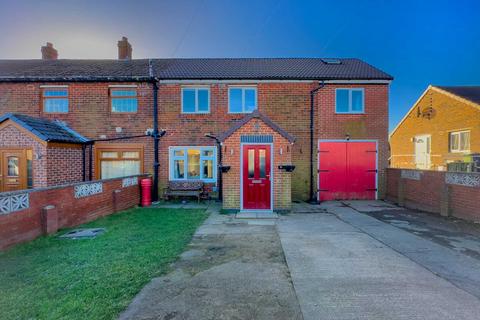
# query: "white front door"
422,152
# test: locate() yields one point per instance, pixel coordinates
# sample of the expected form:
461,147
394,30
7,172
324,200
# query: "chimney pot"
49,52
124,49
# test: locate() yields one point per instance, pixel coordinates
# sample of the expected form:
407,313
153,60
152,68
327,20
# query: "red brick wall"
372,125
64,164
89,114
11,137
281,179
25,225
286,103
431,193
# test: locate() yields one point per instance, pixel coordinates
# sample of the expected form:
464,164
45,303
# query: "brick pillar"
401,192
49,219
116,199
445,201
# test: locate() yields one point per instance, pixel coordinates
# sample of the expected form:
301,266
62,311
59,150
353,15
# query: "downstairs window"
193,163
114,162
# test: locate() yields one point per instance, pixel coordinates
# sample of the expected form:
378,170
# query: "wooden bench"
187,188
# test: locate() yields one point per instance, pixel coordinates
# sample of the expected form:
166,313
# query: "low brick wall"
27,214
447,193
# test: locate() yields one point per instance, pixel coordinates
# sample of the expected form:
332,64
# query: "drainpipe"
156,139
312,117
219,167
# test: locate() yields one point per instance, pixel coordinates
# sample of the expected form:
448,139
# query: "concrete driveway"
350,260
348,265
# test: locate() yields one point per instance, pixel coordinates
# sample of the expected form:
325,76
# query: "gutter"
312,115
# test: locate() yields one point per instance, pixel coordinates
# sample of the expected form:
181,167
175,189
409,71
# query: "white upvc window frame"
195,88
243,88
172,157
459,133
350,111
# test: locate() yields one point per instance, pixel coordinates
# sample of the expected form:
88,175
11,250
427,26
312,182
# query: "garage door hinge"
372,170
372,189
323,190
371,151
322,171
324,151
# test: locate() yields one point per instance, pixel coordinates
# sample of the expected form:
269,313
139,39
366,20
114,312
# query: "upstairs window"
55,100
195,100
124,100
242,100
460,141
349,101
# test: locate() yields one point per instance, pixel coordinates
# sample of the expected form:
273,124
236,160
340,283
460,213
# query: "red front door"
347,170
256,177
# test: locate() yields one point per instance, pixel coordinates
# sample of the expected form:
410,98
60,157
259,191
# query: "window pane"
342,101
123,93
250,103
124,105
12,167
115,169
188,100
235,100
178,153
263,173
251,163
178,169
193,164
109,154
464,141
207,169
454,143
202,100
207,153
56,93
357,101
29,174
131,155
55,105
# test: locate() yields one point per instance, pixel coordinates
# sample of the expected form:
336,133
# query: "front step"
256,215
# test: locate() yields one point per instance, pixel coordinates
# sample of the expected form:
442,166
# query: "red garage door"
347,170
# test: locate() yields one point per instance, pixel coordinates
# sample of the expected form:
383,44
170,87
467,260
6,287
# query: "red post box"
146,187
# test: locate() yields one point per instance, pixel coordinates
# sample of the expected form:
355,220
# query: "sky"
417,42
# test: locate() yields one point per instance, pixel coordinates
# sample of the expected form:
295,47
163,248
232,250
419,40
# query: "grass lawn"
50,278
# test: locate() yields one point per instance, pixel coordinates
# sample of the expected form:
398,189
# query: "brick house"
325,119
442,129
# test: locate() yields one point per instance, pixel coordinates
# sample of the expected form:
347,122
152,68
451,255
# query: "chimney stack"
124,49
49,52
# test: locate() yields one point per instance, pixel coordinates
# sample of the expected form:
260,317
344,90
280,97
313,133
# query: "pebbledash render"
260,116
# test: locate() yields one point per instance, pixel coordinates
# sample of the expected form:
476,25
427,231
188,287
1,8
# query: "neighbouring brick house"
442,129
337,108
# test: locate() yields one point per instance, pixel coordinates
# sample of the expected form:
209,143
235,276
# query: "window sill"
343,113
246,112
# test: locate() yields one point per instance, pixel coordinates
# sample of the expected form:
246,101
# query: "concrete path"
351,260
233,269
347,265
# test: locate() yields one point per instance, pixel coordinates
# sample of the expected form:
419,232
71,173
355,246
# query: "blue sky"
418,42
